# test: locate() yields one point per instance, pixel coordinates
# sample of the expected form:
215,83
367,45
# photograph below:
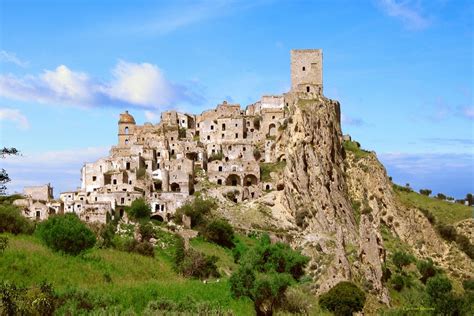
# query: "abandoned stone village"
166,163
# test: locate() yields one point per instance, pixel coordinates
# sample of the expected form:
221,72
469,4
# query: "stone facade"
159,162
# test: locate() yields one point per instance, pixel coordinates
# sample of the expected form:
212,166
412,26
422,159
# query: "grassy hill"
444,212
116,280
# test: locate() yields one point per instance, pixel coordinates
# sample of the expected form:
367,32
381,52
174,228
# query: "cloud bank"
140,85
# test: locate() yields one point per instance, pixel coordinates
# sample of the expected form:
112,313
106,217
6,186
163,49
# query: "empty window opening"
38,214
94,178
223,127
126,130
273,117
208,137
304,68
219,181
236,135
126,142
127,166
212,127
114,181
122,201
307,89
220,168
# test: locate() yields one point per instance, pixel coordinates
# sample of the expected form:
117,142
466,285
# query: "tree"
66,233
426,269
426,192
242,282
439,289
4,177
344,299
269,292
220,232
470,199
441,196
139,209
11,221
401,259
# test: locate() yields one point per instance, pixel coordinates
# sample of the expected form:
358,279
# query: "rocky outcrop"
316,192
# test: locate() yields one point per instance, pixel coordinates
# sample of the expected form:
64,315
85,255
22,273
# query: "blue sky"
402,70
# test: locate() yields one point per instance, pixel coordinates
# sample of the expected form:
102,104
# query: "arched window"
307,89
126,142
304,68
126,129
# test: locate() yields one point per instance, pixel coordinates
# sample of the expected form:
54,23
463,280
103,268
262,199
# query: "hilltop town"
229,146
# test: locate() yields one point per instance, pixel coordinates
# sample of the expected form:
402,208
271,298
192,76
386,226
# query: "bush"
139,209
439,289
398,282
11,221
3,243
429,216
426,192
426,269
66,233
257,154
196,210
465,245
36,300
268,292
296,301
401,259
343,299
144,248
216,156
147,231
198,265
447,232
238,251
219,231
468,285
242,282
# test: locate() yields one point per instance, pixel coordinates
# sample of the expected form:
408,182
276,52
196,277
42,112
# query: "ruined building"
227,146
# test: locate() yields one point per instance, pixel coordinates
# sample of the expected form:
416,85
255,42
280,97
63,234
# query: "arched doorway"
272,129
232,180
157,217
250,179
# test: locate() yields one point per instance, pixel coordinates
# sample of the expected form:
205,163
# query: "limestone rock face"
316,192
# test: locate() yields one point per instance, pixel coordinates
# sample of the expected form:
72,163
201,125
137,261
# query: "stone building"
228,145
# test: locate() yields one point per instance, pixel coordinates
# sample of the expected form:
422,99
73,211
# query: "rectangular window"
94,178
236,135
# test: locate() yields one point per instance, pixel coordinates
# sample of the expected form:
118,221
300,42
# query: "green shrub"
11,221
36,300
296,301
343,299
257,154
238,251
144,248
242,282
426,269
465,245
447,232
426,192
147,231
216,156
3,243
398,282
468,284
401,259
66,233
429,216
219,231
269,291
139,210
195,209
439,289
198,265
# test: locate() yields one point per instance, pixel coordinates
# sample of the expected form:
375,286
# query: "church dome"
126,118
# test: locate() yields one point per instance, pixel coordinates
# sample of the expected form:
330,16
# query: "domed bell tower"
126,128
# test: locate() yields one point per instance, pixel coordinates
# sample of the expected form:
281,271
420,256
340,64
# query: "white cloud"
140,85
67,84
152,117
15,116
407,11
9,57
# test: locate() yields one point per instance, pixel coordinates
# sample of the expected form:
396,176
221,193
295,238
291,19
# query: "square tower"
307,70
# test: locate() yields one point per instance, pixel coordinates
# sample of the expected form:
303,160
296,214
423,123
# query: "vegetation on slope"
444,212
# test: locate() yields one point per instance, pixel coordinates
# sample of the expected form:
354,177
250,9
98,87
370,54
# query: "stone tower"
126,127
307,70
